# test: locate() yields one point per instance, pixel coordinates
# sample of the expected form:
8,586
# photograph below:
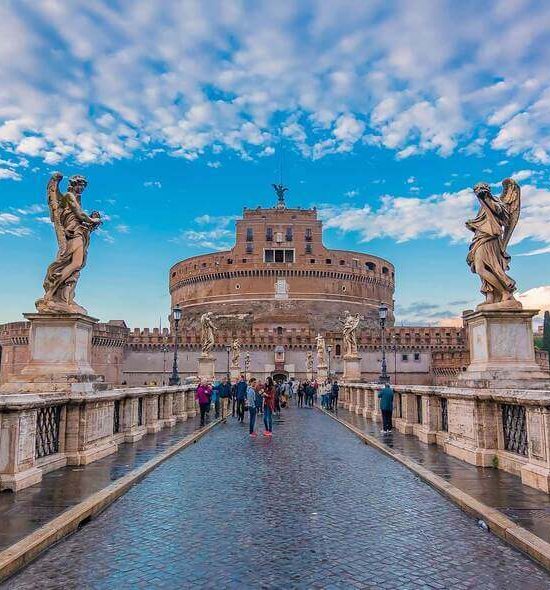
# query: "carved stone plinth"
206,367
235,372
352,368
60,350
322,373
502,352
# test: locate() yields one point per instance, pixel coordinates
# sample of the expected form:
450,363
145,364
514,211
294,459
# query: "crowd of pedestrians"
255,398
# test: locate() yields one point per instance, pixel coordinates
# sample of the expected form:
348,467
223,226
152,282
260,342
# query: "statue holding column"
321,350
349,333
487,257
235,352
500,331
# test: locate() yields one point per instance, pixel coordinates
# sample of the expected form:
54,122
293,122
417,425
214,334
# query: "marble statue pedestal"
60,349
206,367
322,373
352,368
502,351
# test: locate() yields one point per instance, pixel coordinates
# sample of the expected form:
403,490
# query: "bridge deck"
312,508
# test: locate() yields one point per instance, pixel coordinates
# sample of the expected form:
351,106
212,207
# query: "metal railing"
514,429
47,431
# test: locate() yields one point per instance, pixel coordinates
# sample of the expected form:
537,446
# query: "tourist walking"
300,395
251,404
325,394
240,395
334,396
224,390
215,398
269,406
385,395
310,393
202,395
259,402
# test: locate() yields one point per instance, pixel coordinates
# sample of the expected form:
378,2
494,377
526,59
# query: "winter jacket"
386,398
203,394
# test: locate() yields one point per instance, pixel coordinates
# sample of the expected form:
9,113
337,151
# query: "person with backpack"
300,394
202,395
385,395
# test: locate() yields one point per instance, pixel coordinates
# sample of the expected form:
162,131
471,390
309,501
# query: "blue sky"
386,114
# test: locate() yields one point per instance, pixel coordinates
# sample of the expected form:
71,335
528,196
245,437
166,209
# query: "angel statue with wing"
349,332
487,257
236,352
72,228
207,333
320,341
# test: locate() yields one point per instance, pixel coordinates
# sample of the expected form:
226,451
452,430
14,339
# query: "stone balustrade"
42,432
506,429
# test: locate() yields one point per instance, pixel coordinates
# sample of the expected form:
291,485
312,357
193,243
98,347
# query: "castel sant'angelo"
274,292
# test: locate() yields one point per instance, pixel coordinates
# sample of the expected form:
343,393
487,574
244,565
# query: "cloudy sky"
384,115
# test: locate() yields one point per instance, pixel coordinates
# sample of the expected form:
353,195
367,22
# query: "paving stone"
311,508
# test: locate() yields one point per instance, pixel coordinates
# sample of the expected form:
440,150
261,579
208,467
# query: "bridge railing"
505,429
39,433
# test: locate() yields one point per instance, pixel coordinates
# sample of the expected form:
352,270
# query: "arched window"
338,350
279,330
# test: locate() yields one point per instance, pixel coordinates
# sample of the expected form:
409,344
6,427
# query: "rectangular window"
269,234
416,356
309,235
268,255
308,249
249,248
405,357
279,255
249,234
288,236
289,255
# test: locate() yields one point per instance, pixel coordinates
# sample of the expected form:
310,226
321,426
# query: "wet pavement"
313,507
524,505
27,510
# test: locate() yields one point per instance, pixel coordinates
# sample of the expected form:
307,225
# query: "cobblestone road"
311,508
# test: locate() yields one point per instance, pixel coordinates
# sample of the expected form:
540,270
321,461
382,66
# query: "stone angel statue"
207,333
235,352
321,353
309,361
349,332
72,228
487,257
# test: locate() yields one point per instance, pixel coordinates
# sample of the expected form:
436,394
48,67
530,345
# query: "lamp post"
394,348
228,350
382,315
175,378
329,350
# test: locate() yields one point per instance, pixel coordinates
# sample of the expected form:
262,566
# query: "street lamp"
164,351
382,315
175,378
329,350
228,350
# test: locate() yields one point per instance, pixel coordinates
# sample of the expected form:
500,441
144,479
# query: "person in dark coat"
240,394
385,395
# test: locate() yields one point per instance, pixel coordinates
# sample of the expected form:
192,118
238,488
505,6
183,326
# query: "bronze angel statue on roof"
72,228
493,227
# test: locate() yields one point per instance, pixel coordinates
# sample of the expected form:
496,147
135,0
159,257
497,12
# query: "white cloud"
10,225
153,184
212,239
122,228
214,164
196,77
411,180
8,174
351,193
439,216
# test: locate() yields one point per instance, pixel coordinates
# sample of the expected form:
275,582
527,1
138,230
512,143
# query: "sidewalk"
525,506
26,511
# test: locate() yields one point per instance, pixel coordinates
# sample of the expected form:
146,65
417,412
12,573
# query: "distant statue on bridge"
207,333
321,351
349,332
493,227
72,228
309,362
235,352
